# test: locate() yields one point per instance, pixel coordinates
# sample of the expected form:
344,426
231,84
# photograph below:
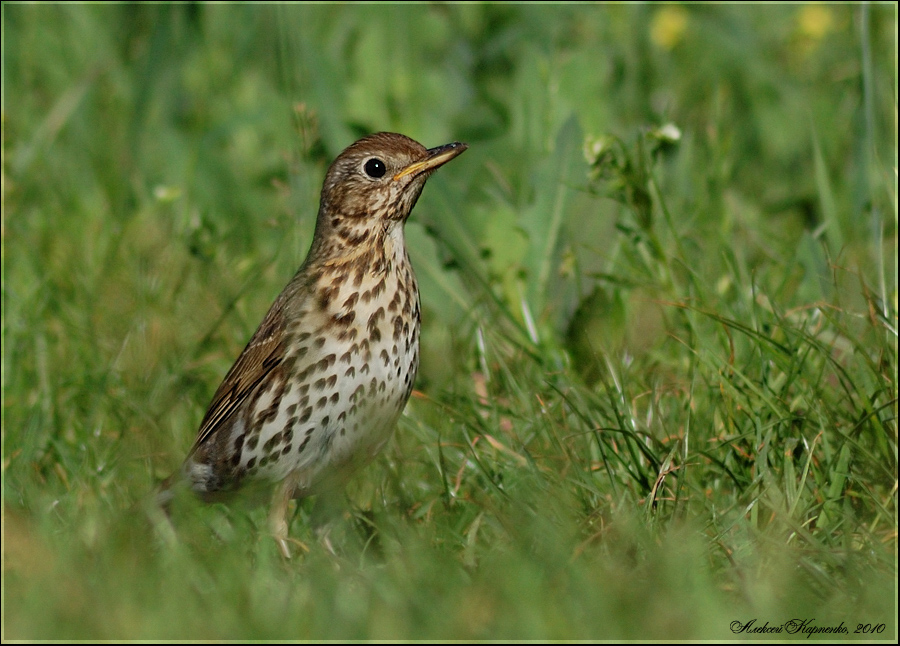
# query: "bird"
317,391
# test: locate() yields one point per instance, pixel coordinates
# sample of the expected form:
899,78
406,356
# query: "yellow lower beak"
435,157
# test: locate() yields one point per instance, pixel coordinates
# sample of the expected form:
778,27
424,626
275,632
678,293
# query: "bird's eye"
375,168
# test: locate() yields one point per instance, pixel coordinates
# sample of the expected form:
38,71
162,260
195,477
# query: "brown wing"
263,354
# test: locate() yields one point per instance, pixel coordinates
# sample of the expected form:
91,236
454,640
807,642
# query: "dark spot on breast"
377,315
287,364
345,320
272,441
354,239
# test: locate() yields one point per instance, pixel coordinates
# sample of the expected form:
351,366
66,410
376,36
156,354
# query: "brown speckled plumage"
318,389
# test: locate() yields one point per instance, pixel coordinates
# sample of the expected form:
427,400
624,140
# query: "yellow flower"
814,21
668,26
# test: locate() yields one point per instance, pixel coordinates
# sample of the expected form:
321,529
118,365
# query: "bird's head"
382,176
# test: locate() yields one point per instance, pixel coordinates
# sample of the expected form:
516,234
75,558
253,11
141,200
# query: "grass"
658,393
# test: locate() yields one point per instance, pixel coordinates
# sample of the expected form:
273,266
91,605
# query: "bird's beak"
435,157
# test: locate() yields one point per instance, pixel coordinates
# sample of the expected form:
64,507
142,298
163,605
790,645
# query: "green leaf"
544,220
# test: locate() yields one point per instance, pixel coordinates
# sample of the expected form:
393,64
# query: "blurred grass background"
658,392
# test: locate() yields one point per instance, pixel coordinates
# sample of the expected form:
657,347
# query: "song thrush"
318,389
